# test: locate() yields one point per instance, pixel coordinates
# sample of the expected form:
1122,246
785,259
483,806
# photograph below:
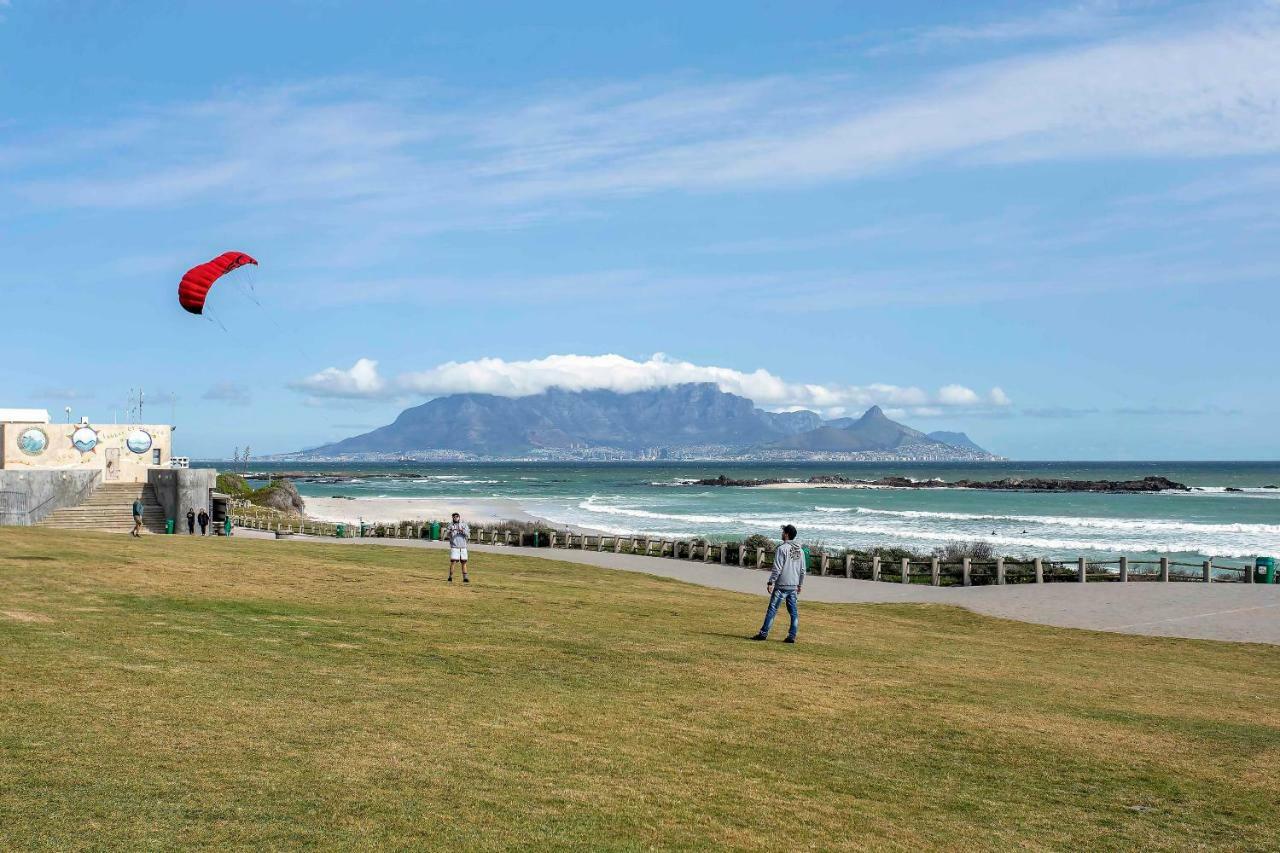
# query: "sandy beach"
473,510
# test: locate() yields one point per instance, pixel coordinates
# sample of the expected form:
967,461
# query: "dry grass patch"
247,694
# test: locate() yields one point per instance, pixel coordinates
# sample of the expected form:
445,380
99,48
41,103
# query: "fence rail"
932,571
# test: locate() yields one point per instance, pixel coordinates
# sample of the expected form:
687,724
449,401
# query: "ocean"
646,498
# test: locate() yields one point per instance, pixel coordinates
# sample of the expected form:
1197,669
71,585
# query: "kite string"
208,315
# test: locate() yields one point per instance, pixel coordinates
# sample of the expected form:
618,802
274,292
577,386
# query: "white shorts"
457,553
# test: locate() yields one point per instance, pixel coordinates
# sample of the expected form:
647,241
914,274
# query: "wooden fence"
933,571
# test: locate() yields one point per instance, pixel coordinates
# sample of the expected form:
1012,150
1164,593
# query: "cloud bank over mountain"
612,372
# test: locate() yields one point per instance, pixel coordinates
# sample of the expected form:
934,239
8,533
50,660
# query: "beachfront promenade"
1234,612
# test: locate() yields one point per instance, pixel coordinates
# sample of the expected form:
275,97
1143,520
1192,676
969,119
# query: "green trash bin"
340,530
435,531
805,551
226,526
1265,570
168,525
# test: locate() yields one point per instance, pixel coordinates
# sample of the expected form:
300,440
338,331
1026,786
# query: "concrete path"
1233,612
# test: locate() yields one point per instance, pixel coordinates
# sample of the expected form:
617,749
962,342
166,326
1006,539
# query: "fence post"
848,565
906,570
1000,570
600,543
646,546
1164,569
1124,570
823,564
552,541
1208,571
759,558
706,553
724,553
875,568
966,571
1249,572
1082,569
742,555
935,572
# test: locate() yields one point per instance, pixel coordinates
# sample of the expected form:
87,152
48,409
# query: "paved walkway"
1234,612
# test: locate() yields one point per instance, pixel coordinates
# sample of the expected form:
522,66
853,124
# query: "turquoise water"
644,498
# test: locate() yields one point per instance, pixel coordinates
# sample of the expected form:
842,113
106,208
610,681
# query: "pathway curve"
1234,612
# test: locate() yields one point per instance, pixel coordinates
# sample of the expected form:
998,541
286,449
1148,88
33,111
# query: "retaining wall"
28,496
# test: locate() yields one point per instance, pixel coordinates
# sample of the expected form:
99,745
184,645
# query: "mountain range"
656,423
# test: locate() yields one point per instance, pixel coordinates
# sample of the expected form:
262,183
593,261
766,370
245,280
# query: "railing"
933,571
15,509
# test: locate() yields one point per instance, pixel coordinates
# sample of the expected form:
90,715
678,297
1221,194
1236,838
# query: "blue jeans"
793,610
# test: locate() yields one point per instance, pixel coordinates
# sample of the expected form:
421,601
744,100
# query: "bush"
955,552
233,485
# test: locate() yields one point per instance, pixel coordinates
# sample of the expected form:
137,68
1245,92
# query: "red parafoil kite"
195,285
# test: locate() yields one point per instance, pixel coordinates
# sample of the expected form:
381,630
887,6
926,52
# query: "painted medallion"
33,441
84,439
139,441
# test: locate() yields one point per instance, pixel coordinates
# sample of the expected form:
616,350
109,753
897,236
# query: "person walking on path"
457,534
191,521
784,584
138,509
203,519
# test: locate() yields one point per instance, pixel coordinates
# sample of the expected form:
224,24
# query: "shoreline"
484,511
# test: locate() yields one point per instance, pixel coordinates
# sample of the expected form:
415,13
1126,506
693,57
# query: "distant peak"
874,412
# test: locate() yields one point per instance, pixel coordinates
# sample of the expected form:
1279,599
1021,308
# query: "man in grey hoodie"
784,584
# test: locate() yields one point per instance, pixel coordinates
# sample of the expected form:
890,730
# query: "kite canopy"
195,285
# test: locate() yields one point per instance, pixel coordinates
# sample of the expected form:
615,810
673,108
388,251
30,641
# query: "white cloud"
617,373
359,380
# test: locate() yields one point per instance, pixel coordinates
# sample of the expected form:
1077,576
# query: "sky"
1052,226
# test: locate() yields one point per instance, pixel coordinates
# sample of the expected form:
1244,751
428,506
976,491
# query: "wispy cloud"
1075,20
1055,412
618,373
362,148
62,395
228,392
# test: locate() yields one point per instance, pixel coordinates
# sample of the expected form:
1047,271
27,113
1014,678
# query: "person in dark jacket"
191,521
138,509
203,518
784,584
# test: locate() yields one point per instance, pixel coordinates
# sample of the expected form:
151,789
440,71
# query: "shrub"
954,552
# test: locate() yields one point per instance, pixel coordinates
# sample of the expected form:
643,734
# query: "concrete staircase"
110,507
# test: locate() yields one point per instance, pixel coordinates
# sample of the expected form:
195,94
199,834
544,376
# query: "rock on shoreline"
1013,484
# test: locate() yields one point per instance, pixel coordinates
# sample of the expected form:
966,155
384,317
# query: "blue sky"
1052,226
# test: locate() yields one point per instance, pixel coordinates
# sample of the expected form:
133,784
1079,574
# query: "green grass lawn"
176,692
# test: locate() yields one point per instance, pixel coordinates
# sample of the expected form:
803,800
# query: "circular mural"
32,441
84,439
139,441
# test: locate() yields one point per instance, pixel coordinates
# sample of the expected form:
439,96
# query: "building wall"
123,453
180,489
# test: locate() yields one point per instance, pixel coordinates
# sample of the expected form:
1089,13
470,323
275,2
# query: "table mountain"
689,415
